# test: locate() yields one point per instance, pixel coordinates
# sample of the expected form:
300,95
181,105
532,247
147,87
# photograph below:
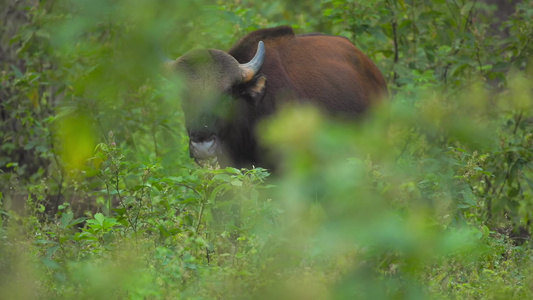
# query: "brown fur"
328,70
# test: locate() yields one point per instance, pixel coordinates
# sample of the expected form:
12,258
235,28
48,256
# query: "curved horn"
251,68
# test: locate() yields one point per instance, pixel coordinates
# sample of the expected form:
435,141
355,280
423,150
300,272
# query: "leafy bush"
430,196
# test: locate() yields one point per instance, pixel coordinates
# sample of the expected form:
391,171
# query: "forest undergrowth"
430,196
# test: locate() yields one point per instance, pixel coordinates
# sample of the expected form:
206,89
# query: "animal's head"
216,83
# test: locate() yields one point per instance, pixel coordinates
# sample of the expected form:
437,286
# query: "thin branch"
404,148
469,16
517,122
191,188
394,25
200,216
117,188
478,58
61,175
207,252
527,43
155,141
451,11
507,174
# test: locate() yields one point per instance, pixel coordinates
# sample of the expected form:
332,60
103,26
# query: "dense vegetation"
429,197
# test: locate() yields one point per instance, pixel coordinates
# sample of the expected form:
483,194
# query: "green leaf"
50,263
42,242
43,33
217,191
87,234
76,222
189,200
223,177
50,252
66,218
174,178
120,210
236,182
29,145
12,164
16,70
529,183
100,218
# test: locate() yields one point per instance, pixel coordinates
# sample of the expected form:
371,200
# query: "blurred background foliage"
429,197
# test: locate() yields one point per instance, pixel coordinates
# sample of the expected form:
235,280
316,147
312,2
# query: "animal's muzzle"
203,149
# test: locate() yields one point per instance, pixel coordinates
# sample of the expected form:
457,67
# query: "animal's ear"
254,90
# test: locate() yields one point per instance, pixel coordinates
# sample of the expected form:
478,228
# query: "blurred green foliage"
429,197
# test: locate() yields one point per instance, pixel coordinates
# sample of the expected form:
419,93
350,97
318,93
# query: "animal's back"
328,70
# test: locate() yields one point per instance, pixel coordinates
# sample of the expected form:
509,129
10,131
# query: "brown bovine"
227,94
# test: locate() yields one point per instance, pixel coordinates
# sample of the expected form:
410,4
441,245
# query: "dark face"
212,77
206,101
207,120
